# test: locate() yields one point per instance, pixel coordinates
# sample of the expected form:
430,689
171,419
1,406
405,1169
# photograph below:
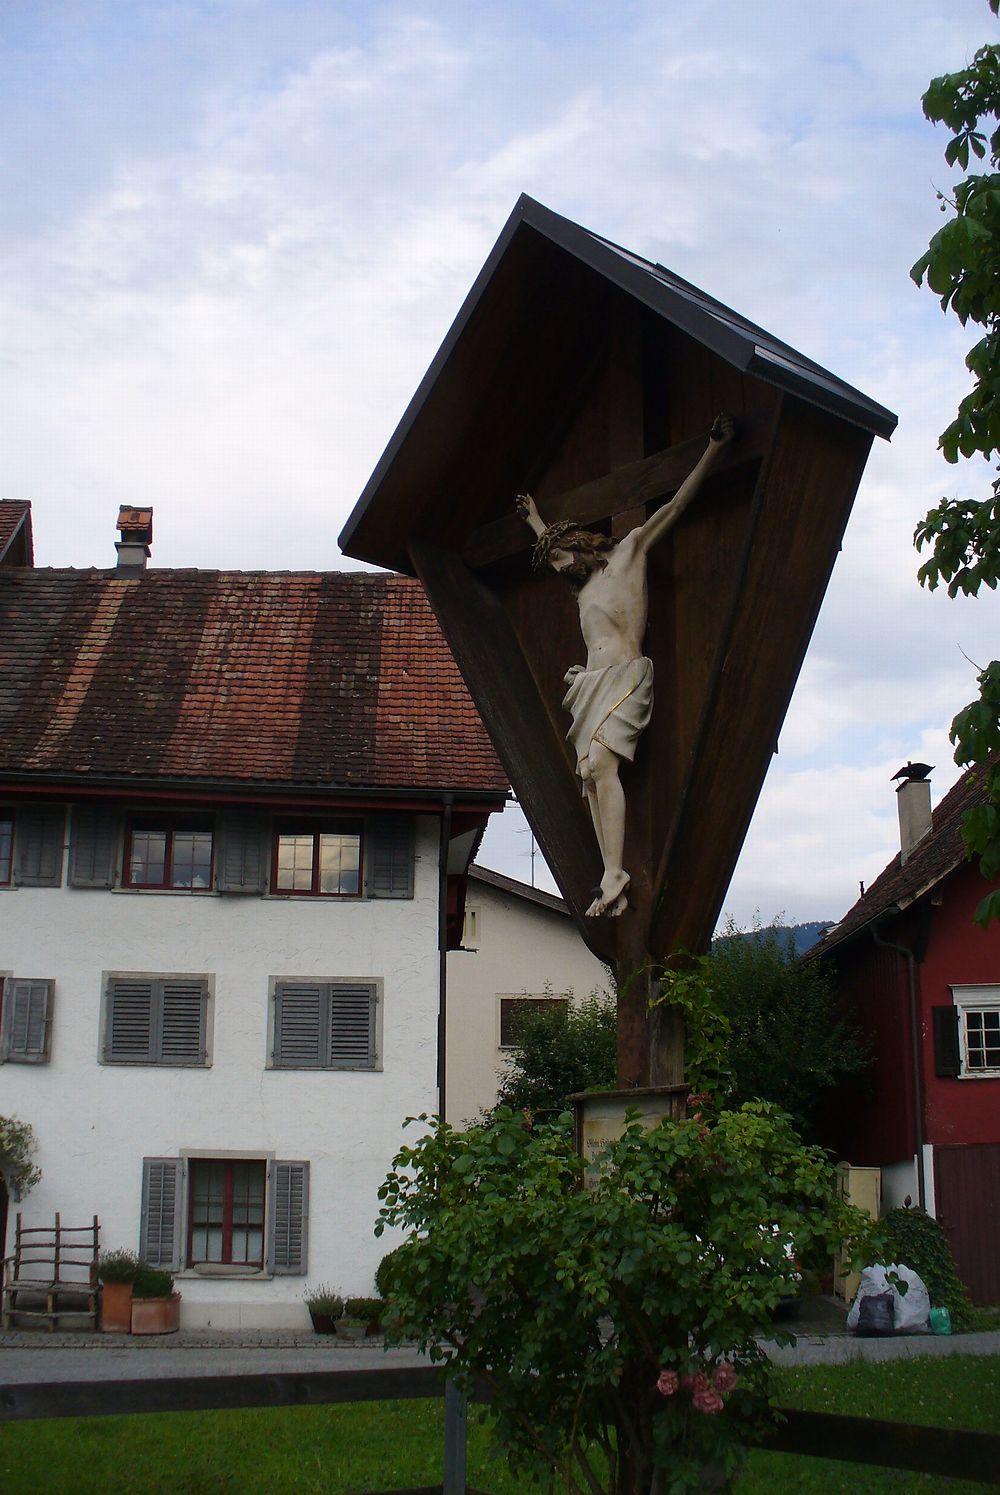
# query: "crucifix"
610,698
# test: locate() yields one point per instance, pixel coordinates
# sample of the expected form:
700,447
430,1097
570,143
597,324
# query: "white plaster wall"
523,947
898,1180
95,1122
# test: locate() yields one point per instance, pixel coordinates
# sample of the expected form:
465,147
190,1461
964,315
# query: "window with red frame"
6,844
226,1215
168,853
319,859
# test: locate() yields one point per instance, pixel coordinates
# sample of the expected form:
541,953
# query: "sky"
235,233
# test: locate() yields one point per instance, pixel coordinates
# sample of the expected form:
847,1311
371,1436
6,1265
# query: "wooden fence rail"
861,1440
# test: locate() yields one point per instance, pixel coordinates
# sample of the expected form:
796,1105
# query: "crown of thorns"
549,539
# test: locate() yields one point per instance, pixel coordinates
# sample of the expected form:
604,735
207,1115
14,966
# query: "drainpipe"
918,1083
447,803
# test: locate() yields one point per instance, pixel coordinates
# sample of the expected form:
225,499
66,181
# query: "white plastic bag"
909,1310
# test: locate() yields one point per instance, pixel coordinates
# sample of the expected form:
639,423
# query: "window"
25,1020
168,853
324,1024
470,928
319,859
156,1019
226,1215
978,1013
6,844
512,1009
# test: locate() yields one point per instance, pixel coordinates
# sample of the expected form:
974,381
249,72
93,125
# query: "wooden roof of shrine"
591,377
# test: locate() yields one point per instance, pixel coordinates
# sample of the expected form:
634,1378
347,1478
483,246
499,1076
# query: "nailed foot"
611,900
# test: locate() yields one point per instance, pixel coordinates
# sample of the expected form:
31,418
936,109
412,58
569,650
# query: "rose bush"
617,1326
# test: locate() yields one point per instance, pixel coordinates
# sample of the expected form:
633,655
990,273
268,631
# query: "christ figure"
610,698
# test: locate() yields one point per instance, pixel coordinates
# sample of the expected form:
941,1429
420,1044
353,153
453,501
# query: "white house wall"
95,1122
523,948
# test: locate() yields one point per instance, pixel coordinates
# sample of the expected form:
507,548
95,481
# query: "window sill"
165,892
219,1271
980,1074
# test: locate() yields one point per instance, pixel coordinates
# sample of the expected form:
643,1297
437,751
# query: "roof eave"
133,785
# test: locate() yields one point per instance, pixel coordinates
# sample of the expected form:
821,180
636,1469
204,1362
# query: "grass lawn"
391,1445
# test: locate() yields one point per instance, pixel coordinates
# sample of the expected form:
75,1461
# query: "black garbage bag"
875,1317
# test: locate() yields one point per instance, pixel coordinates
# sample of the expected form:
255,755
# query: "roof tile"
321,679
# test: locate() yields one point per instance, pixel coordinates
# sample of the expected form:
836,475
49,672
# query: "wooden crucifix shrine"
591,379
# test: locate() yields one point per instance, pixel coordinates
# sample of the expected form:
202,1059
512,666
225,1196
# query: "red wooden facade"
911,1109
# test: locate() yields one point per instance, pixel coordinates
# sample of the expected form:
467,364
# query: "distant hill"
803,936
806,935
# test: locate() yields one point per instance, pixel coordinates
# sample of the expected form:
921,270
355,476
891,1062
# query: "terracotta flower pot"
156,1315
116,1307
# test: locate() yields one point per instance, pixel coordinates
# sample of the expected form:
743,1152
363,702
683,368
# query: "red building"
922,979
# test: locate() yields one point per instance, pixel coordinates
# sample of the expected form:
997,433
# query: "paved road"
38,1356
108,1357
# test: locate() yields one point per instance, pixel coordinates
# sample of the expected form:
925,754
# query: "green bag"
939,1320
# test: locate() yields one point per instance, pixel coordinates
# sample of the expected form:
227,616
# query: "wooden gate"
967,1193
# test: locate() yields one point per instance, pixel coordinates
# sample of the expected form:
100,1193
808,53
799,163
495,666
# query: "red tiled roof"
321,679
939,853
15,516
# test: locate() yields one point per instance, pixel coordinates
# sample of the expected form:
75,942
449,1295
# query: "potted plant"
117,1271
351,1326
325,1306
368,1310
156,1308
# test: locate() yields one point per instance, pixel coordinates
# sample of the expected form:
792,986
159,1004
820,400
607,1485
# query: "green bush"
151,1282
369,1310
911,1238
386,1270
626,1316
118,1266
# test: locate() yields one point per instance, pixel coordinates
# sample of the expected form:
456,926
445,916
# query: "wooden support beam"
625,488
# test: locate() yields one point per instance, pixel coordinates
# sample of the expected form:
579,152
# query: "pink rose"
667,1383
725,1376
696,1383
707,1401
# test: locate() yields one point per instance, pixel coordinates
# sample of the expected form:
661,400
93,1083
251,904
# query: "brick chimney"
913,802
136,529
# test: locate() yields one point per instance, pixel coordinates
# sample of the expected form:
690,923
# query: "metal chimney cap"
914,772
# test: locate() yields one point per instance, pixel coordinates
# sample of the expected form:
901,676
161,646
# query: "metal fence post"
456,1422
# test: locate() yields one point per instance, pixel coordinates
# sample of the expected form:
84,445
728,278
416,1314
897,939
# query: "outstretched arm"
722,433
525,506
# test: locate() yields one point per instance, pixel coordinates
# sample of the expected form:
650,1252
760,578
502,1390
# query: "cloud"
236,234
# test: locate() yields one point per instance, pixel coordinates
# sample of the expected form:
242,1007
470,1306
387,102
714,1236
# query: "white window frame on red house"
981,1004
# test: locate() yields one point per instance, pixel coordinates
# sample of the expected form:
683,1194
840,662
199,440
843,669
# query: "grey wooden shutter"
38,842
93,846
351,1026
299,1009
242,854
183,1002
288,1219
947,1045
160,1232
128,1020
27,1020
389,856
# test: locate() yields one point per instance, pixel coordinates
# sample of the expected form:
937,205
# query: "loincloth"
611,706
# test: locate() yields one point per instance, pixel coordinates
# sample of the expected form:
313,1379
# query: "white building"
520,945
234,810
